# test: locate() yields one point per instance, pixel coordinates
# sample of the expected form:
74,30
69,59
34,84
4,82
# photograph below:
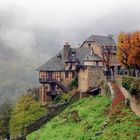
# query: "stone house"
85,62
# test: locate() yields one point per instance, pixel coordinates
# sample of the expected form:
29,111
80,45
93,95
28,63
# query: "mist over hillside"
33,31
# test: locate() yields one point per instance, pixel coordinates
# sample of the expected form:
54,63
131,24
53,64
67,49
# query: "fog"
38,27
31,31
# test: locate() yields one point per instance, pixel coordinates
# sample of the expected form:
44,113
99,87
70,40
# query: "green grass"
86,123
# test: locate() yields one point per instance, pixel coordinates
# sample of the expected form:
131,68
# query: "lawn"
88,119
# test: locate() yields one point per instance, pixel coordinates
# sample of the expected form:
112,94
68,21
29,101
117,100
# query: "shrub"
135,87
131,84
25,111
106,90
74,83
64,97
126,82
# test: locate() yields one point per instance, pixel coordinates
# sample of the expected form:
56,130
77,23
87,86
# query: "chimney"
66,49
110,36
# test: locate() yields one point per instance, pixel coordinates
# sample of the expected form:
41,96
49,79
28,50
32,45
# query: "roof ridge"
99,35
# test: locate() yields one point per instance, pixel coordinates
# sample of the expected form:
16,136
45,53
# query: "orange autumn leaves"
129,48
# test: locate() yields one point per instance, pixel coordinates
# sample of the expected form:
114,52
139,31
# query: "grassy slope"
93,114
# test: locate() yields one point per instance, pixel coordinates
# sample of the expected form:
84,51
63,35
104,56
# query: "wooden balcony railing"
50,80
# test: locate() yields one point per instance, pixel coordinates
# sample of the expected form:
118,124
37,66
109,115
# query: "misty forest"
69,70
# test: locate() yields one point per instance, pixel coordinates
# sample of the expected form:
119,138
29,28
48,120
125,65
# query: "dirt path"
118,96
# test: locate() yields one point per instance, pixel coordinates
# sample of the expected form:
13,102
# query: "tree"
129,50
135,51
25,111
124,49
107,56
5,112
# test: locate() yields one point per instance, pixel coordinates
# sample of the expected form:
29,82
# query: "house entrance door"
53,86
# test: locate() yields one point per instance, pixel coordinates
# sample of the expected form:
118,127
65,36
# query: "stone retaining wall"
134,101
54,110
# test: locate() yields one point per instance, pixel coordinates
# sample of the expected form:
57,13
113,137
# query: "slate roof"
93,57
56,64
102,40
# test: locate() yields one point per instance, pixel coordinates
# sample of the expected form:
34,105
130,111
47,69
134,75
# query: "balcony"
46,80
53,81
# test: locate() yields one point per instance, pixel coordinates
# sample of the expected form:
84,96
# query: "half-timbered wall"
93,63
42,75
70,66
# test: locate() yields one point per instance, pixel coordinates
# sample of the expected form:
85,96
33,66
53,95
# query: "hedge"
132,84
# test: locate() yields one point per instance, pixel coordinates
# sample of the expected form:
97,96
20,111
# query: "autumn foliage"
129,49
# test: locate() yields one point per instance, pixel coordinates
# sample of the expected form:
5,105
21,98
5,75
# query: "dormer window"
114,47
97,63
73,52
89,45
59,56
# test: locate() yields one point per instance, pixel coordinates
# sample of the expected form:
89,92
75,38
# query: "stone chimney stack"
110,36
66,50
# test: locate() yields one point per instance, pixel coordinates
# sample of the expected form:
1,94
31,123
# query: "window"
73,74
66,74
73,52
114,47
46,87
59,56
97,63
43,74
89,44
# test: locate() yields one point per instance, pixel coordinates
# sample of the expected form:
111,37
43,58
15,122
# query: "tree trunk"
134,72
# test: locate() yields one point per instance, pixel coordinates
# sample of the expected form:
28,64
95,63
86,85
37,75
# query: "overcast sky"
38,27
32,31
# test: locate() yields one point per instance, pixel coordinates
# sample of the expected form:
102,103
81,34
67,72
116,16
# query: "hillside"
88,119
16,78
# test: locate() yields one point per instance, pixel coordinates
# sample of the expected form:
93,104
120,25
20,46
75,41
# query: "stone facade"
96,47
89,77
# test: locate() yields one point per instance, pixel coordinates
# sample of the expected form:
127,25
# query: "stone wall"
82,79
134,101
95,46
135,104
89,77
97,49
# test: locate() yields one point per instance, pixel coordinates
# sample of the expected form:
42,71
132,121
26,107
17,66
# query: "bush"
131,84
25,111
135,87
126,82
107,90
64,97
74,83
